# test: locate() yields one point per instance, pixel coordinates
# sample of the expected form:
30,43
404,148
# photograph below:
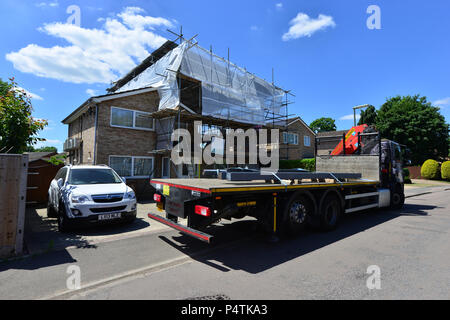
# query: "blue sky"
321,50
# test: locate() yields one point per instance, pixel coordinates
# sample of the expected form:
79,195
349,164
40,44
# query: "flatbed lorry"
285,201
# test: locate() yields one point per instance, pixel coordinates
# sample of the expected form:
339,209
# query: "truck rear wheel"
296,214
330,212
172,218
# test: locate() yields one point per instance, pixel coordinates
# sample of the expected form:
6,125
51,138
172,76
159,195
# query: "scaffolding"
228,92
193,84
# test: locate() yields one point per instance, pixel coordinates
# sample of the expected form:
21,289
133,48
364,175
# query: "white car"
89,194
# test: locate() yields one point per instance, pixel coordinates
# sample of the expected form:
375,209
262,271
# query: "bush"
57,159
445,170
406,176
430,169
308,164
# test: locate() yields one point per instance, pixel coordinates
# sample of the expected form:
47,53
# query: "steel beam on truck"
250,176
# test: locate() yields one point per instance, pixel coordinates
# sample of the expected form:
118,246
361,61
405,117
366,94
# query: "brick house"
128,130
297,140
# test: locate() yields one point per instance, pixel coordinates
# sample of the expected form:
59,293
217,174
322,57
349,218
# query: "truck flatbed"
217,186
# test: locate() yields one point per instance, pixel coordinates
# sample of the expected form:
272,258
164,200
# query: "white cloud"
350,117
131,18
29,94
279,6
94,55
91,92
304,26
442,103
53,141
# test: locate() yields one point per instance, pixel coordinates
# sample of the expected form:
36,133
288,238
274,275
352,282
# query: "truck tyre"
172,218
63,223
397,198
330,212
296,214
51,212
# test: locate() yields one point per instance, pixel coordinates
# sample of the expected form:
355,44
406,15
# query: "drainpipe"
95,134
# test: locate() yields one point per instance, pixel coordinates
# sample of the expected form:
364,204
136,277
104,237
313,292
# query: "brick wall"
125,141
83,128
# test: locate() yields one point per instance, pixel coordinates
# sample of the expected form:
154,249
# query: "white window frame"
309,141
132,165
286,138
134,120
162,168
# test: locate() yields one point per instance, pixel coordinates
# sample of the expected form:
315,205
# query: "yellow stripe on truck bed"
290,187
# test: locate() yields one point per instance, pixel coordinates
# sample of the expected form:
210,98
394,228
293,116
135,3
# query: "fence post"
13,189
22,203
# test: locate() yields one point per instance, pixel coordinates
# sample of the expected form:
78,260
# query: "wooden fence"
13,189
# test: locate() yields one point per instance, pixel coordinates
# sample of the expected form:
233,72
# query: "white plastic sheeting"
163,76
228,91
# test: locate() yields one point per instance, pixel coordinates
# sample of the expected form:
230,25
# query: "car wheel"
129,220
51,212
63,223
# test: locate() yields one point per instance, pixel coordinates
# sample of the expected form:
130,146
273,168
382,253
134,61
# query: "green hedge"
308,164
430,169
445,170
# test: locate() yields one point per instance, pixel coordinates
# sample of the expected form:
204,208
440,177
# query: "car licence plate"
109,216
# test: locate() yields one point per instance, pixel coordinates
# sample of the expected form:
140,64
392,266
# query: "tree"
18,128
414,122
368,116
322,125
47,149
58,159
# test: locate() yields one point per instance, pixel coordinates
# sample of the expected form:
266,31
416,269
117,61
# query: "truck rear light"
203,211
157,197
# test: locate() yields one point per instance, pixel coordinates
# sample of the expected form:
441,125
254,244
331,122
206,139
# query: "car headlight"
130,195
79,199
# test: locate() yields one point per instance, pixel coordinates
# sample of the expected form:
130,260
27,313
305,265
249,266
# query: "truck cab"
391,171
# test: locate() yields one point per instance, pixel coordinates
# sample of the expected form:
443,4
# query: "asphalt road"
411,248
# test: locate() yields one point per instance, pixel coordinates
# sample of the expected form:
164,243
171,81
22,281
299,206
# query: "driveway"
41,233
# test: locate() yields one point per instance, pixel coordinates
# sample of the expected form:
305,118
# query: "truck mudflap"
186,230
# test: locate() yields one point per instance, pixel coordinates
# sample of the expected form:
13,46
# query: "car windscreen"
93,176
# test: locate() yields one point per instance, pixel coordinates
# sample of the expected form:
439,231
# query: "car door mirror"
124,180
60,183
